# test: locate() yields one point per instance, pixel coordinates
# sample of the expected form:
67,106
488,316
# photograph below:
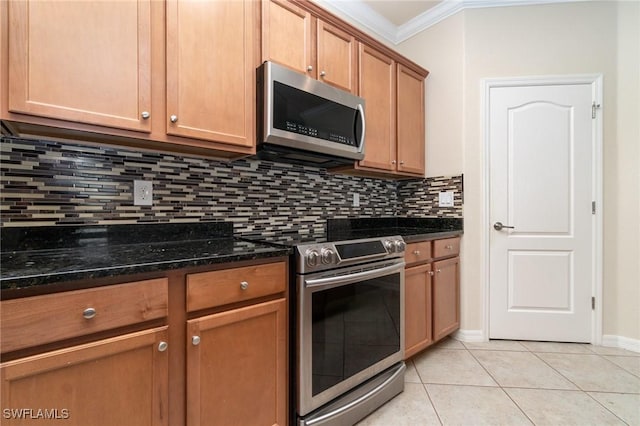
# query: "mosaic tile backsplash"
54,183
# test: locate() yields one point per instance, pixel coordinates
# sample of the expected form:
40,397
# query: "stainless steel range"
349,322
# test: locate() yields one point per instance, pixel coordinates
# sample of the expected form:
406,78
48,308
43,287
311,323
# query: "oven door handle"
358,276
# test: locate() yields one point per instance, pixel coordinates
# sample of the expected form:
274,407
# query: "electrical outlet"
445,199
356,200
142,193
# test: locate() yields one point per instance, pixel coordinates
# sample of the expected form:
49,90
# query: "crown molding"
357,11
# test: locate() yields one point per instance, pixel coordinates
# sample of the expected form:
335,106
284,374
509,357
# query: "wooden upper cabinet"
211,70
287,32
410,119
377,81
293,37
337,57
87,62
394,111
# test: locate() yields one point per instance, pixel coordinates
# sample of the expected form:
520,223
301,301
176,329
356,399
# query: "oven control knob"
400,246
327,256
312,256
389,245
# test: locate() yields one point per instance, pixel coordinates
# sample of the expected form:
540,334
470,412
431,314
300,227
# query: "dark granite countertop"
410,229
40,256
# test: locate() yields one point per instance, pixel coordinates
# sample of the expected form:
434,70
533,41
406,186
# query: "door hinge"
593,303
594,106
593,207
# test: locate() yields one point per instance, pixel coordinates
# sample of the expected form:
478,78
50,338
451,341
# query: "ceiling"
399,12
394,21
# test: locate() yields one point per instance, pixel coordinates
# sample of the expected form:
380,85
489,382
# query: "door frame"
595,80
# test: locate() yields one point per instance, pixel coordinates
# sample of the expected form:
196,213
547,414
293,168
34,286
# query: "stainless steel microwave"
305,121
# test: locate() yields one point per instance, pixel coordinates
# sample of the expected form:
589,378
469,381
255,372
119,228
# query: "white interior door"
541,141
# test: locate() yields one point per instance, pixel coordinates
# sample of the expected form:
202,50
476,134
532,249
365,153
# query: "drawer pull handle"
195,340
89,313
162,346
416,252
244,285
449,247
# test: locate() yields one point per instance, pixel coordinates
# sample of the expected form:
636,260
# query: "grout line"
505,389
433,405
536,354
619,366
605,407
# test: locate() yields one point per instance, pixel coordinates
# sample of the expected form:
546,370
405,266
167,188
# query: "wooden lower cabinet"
446,297
432,293
116,381
237,366
417,309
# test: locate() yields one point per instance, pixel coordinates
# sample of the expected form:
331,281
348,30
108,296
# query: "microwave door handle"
361,114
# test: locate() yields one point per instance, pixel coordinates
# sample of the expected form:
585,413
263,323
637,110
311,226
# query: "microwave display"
307,114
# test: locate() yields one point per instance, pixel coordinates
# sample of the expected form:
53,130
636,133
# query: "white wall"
444,89
553,39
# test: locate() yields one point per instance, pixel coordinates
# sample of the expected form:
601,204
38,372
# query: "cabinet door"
81,61
446,297
417,309
411,141
337,57
287,36
377,82
211,70
237,371
116,381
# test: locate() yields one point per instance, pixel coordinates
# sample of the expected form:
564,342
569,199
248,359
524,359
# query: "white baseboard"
470,336
473,336
621,342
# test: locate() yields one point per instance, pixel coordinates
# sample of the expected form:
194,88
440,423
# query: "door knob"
498,226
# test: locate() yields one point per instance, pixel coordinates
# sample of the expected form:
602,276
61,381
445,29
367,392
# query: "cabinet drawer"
417,252
37,320
447,247
218,288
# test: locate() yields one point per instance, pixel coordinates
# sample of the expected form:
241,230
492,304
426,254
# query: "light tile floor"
516,383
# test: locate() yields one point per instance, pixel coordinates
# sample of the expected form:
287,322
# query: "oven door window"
354,326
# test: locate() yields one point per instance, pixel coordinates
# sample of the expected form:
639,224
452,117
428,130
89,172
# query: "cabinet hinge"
593,303
594,106
593,207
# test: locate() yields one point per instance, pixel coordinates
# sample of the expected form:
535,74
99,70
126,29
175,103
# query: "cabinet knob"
393,161
89,313
244,285
449,247
431,273
195,340
401,161
162,346
438,271
173,118
310,68
416,252
322,73
145,114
